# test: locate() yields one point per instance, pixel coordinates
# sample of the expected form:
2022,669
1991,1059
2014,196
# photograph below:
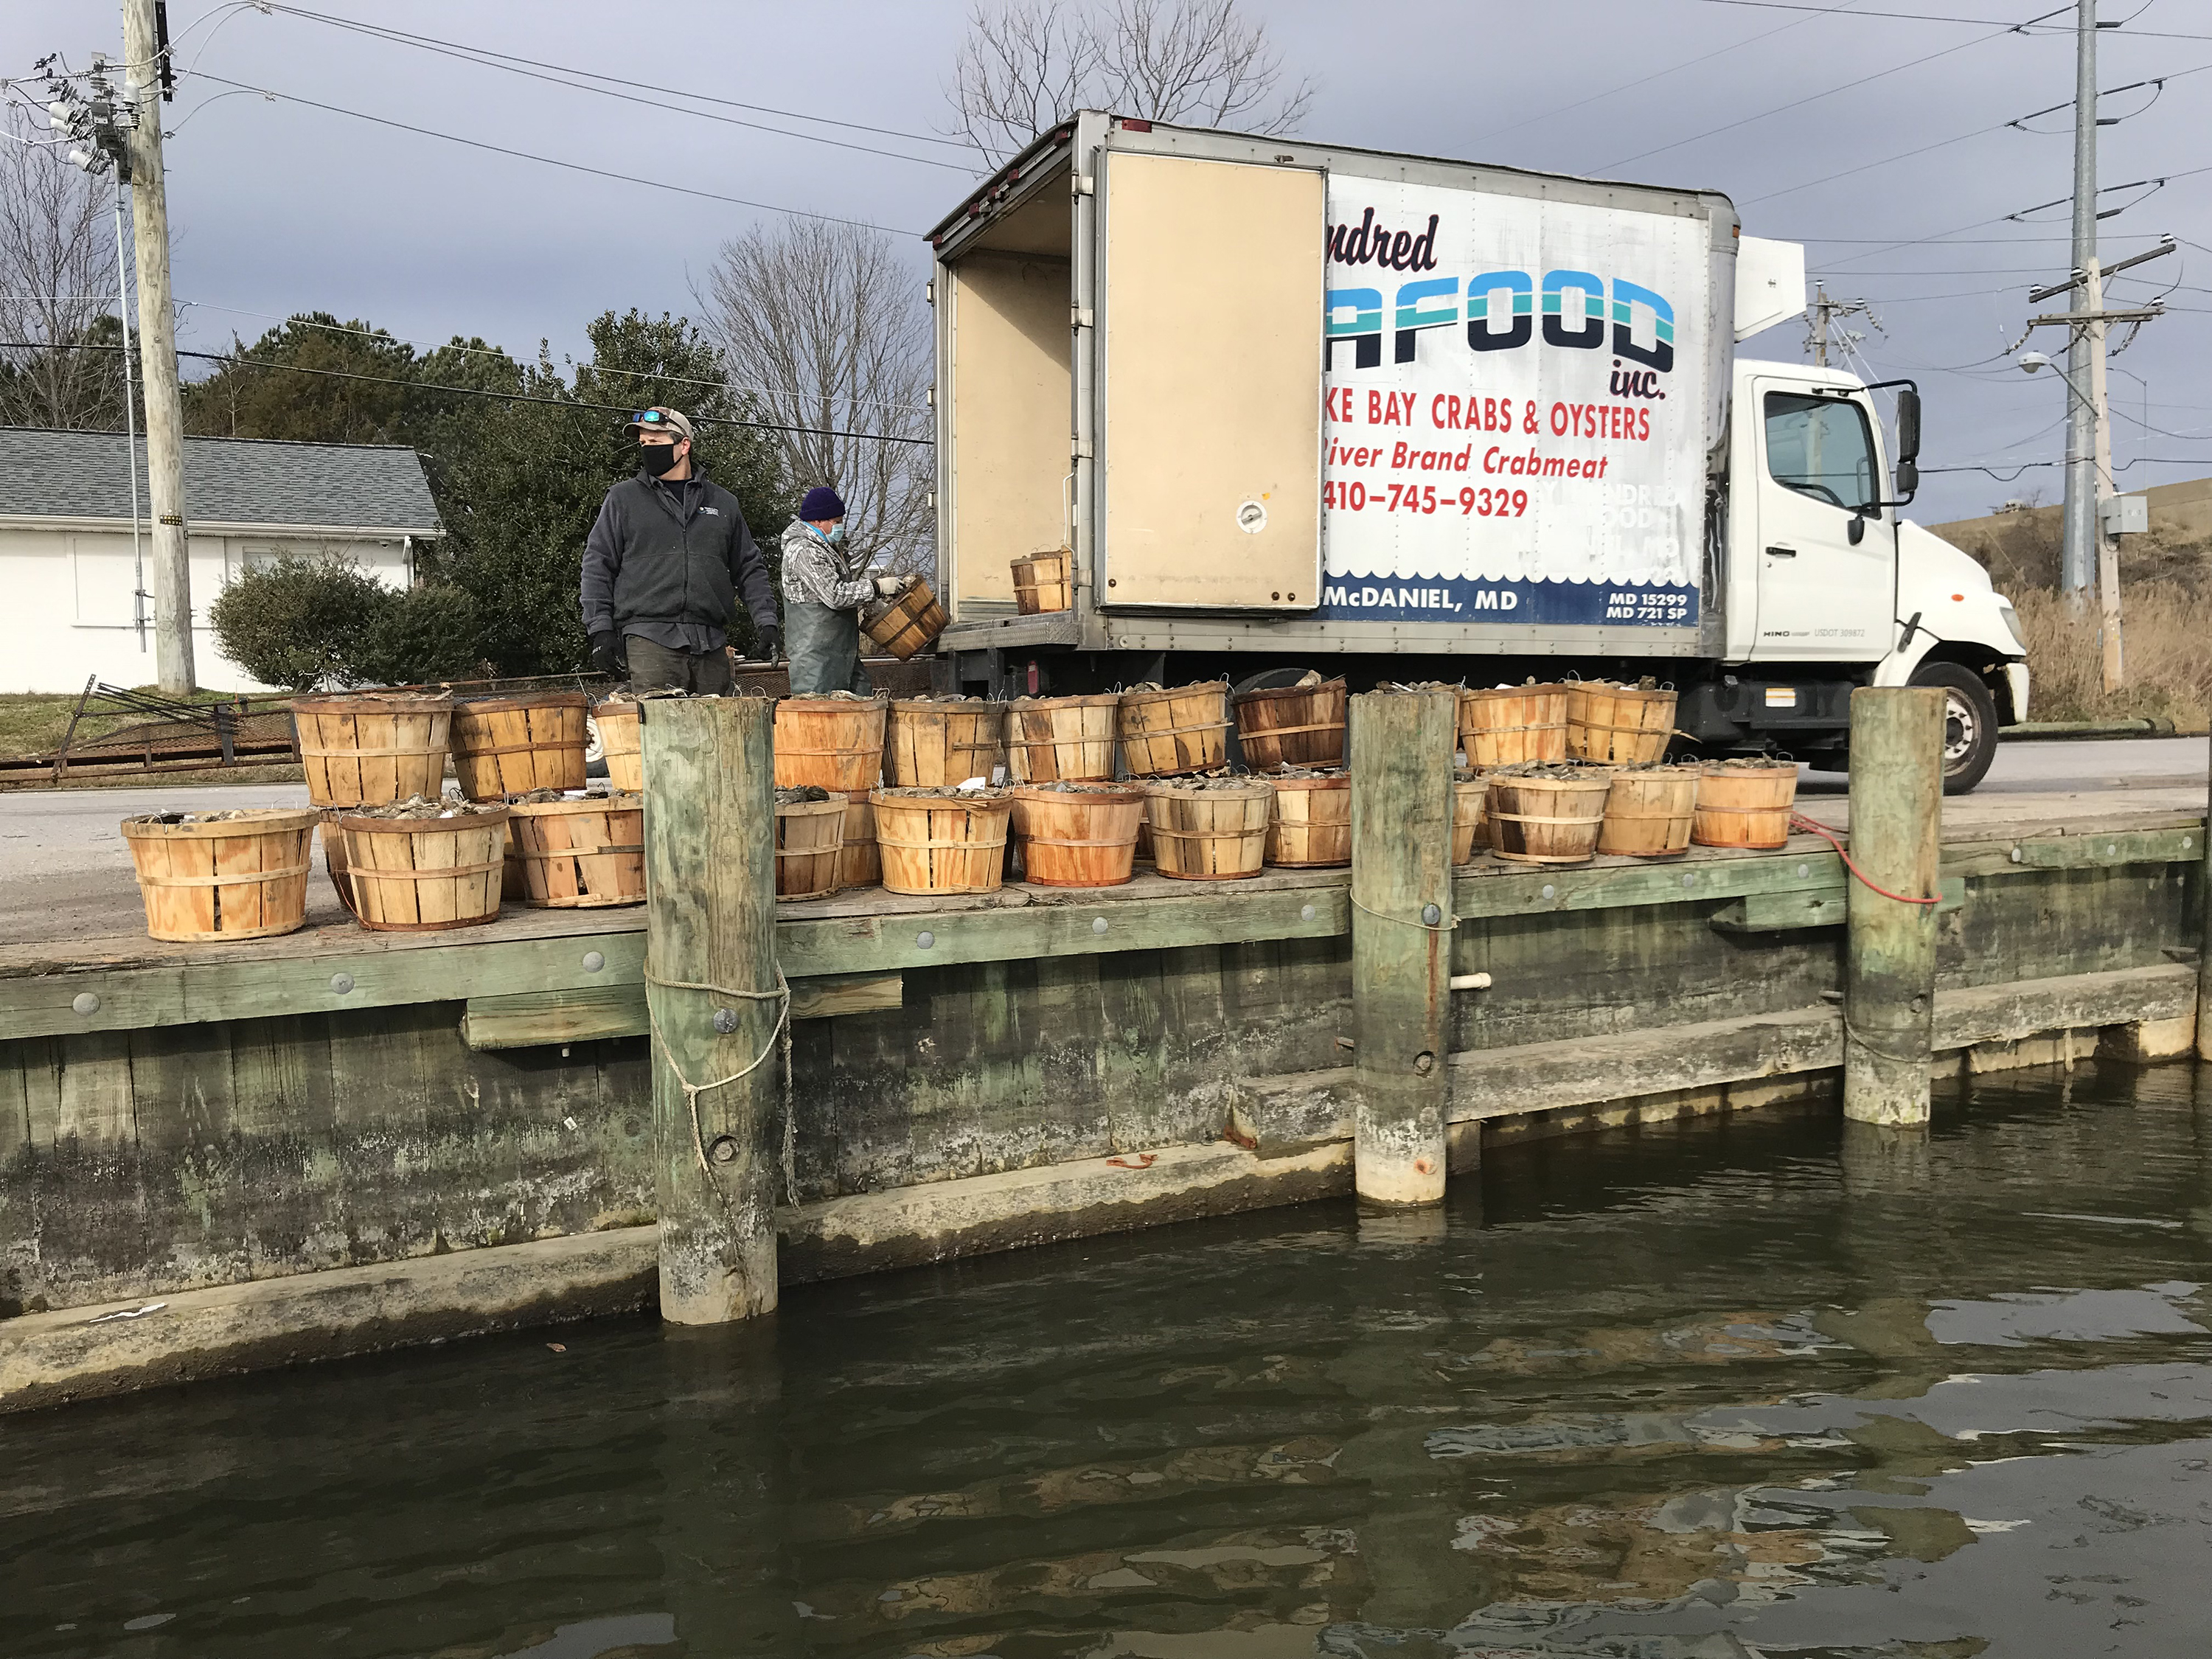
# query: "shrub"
303,622
296,623
424,633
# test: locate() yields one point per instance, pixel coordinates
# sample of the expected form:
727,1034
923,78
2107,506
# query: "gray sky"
278,207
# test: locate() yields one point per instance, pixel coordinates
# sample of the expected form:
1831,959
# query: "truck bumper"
2016,682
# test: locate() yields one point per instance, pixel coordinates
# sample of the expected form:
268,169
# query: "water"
1750,1387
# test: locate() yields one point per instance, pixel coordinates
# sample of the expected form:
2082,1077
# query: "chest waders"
824,647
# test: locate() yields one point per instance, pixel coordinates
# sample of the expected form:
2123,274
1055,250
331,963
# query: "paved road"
66,873
2071,766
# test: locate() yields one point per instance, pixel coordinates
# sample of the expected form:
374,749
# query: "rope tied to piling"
781,996
1450,924
1799,821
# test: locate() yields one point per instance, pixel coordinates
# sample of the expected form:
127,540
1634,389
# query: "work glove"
887,586
606,654
771,644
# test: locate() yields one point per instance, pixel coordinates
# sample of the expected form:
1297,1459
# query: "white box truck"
1297,406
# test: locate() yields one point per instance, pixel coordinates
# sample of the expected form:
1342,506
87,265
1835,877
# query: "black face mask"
657,458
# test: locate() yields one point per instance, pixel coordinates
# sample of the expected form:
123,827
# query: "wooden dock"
338,1140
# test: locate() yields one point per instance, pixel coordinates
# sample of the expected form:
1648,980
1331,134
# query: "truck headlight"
2011,624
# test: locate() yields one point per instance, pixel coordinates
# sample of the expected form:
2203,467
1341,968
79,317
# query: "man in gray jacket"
665,565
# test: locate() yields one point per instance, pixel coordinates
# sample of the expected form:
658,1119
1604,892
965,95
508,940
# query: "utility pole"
144,48
138,594
1825,314
2081,517
2108,530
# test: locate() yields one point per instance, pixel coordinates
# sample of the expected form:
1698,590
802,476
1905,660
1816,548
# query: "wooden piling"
1889,969
1401,939
712,990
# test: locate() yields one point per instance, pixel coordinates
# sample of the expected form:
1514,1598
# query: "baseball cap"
658,419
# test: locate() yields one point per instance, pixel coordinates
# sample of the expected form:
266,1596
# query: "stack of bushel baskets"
1562,773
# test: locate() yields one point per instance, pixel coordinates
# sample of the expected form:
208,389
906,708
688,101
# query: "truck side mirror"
1908,476
1908,431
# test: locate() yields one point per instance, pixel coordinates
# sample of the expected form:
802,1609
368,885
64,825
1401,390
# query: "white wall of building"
68,594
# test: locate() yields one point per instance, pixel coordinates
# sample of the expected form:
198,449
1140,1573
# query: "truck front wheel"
1969,723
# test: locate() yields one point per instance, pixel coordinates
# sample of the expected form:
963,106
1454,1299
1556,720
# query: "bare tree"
1027,63
823,328
57,289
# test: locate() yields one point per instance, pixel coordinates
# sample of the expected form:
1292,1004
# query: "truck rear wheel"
1969,723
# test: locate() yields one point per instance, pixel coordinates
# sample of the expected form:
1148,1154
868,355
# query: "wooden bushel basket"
1040,582
621,744
237,877
934,843
507,747
829,743
809,843
1061,739
1295,726
1085,836
1516,723
1547,820
373,750
1184,729
1648,814
908,622
581,855
1470,818
425,875
1619,724
1746,805
859,864
929,744
1209,834
1311,828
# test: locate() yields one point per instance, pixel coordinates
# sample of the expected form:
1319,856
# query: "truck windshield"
1822,448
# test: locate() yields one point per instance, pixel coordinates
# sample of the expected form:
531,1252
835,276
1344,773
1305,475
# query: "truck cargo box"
1285,397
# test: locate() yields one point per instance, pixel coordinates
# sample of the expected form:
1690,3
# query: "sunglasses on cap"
652,418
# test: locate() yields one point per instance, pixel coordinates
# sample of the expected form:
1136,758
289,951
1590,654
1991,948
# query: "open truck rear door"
1210,397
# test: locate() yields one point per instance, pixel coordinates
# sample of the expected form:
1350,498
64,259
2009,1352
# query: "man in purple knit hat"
825,583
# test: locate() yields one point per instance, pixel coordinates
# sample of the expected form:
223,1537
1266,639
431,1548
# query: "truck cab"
1829,587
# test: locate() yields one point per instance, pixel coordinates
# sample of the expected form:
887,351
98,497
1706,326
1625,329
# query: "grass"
2165,629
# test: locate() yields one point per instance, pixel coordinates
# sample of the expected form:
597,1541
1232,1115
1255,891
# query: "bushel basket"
1077,835
506,746
372,750
1164,734
580,854
908,622
939,841
243,876
425,875
1546,820
1295,726
829,743
1209,834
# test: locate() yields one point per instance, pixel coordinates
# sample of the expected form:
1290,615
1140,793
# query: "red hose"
1798,821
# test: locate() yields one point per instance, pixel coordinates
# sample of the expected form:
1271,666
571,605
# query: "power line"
1800,103
548,161
642,86
554,75
1642,80
480,391
2033,23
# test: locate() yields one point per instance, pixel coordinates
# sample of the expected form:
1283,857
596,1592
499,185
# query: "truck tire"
1969,723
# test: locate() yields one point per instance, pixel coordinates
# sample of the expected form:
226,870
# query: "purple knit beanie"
821,503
